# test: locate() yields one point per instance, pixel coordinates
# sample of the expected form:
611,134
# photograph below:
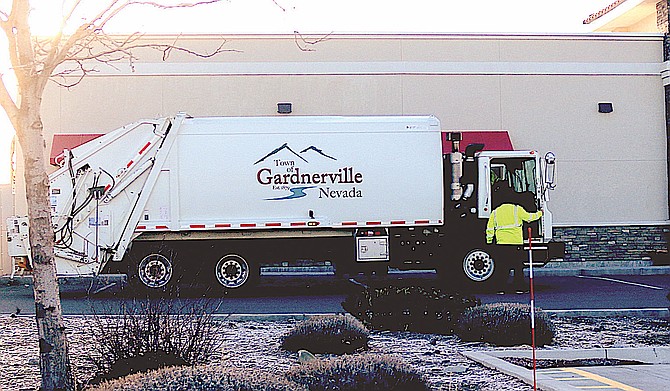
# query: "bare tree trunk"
34,62
54,360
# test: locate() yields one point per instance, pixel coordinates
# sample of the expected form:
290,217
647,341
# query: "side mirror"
550,170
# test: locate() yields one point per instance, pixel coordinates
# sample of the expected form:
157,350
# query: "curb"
270,317
612,312
526,375
644,355
229,317
600,271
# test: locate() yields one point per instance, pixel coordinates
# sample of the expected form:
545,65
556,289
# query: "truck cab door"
519,178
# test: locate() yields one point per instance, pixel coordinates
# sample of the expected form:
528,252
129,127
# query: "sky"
319,16
286,16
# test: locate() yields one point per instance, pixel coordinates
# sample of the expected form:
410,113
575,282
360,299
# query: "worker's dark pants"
506,258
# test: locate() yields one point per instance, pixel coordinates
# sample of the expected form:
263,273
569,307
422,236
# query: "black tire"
232,271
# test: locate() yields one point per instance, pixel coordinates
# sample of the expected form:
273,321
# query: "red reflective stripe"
107,188
161,227
221,225
197,225
398,222
422,222
349,223
273,224
141,227
300,224
130,163
251,225
373,223
144,148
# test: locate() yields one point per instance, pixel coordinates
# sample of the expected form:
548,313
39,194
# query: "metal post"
532,306
97,193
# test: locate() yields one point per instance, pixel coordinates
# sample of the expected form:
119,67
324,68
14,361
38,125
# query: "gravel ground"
257,344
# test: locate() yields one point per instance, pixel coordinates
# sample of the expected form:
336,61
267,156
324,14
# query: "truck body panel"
287,174
260,173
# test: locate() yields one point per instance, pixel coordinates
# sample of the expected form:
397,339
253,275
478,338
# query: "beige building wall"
544,89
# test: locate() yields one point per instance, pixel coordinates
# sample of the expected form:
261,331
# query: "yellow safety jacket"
506,224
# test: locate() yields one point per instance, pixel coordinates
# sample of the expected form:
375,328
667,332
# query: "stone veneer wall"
662,16
612,243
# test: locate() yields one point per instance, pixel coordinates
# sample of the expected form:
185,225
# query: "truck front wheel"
479,266
155,271
233,271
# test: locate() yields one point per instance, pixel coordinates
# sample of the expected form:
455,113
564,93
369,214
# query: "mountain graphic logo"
286,147
317,150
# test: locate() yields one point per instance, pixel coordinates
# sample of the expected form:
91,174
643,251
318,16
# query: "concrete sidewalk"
652,374
575,270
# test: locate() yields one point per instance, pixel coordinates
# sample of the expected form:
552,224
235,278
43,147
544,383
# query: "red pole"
532,307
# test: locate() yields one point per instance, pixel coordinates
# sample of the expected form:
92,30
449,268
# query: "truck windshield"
517,174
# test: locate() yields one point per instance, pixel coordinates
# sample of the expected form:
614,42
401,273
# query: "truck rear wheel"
233,271
155,271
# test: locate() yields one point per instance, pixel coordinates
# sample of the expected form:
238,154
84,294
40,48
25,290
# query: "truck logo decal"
296,192
277,150
317,150
286,175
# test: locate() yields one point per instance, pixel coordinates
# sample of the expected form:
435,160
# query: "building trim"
325,36
381,68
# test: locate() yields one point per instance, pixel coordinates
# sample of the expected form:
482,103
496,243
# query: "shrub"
505,324
364,372
333,334
201,378
152,334
411,308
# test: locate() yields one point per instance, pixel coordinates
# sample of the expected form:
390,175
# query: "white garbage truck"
218,197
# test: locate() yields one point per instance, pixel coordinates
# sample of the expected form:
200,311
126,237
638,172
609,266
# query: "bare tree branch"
172,6
279,5
8,103
90,43
65,59
303,44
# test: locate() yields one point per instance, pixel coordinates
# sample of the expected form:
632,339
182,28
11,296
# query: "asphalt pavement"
583,293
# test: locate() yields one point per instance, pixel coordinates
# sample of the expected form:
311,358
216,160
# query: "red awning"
65,141
493,140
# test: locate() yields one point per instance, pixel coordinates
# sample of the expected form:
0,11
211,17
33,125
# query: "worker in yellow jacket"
505,228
